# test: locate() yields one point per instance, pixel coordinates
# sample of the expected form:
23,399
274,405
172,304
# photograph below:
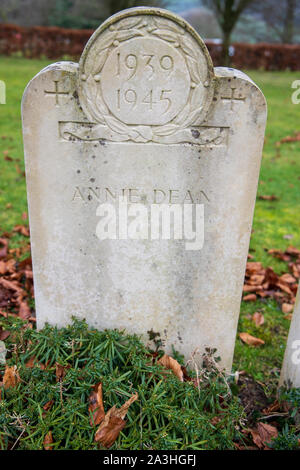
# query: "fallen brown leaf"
3,247
96,408
251,340
258,318
32,362
24,310
287,308
215,420
109,429
122,412
268,198
248,288
272,408
289,138
250,298
287,278
11,377
4,334
263,435
48,441
60,372
292,250
113,423
254,266
22,230
47,407
169,363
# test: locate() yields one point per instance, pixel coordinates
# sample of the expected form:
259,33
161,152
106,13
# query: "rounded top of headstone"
145,71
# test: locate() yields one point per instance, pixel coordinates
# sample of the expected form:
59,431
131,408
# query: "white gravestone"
144,117
290,372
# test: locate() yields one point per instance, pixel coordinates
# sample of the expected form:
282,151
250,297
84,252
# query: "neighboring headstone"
3,352
144,117
290,372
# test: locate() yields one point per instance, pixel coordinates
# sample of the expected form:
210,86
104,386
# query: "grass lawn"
273,220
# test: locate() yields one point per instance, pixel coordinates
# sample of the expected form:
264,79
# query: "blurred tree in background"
228,13
90,13
66,13
231,20
282,19
278,15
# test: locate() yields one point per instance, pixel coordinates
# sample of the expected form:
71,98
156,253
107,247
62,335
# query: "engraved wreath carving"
200,94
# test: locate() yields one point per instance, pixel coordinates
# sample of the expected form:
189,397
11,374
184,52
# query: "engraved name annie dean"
137,195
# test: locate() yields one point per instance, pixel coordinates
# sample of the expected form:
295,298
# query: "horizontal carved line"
90,132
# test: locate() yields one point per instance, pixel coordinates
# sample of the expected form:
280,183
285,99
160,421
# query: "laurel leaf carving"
145,132
167,129
128,23
193,69
90,92
193,116
166,35
183,115
124,35
108,40
197,96
124,30
166,25
100,61
188,47
116,125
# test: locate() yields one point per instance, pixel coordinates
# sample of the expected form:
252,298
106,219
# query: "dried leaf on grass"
251,340
96,408
16,281
24,310
11,377
272,408
290,138
48,406
169,363
60,371
22,229
263,435
258,318
287,308
48,441
33,362
264,282
3,247
250,298
4,334
271,197
109,429
113,423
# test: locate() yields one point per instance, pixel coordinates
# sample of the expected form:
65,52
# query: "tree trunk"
288,31
226,59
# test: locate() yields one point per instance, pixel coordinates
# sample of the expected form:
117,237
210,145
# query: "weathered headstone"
290,372
143,122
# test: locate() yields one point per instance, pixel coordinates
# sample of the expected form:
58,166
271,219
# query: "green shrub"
168,414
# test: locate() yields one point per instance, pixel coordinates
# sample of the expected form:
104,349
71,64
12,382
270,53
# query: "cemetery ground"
53,398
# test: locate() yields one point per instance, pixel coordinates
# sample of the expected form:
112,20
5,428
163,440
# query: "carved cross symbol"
56,92
233,98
